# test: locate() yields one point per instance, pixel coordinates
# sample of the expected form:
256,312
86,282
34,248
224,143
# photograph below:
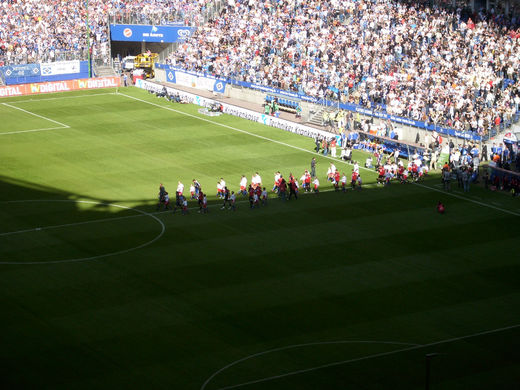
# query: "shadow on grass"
41,224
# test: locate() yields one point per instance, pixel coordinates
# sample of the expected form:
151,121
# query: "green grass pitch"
335,291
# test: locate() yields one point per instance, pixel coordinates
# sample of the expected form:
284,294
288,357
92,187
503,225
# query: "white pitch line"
373,356
71,224
304,150
469,200
39,116
33,130
295,346
63,97
163,229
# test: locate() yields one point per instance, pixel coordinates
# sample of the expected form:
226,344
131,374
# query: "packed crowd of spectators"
49,30
432,64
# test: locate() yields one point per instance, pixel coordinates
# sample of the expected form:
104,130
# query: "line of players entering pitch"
255,192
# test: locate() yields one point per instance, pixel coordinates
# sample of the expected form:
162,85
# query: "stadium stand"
51,30
405,58
434,64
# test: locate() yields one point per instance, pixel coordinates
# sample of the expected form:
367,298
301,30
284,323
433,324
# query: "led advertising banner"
59,86
148,33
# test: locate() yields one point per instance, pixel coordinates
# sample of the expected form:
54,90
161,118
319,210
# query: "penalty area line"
37,115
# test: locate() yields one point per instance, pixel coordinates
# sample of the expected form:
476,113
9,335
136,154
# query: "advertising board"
59,86
60,67
149,33
240,112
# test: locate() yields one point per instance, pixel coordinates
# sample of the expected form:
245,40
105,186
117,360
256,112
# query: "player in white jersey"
243,185
264,197
219,190
356,167
344,182
256,180
316,183
180,188
277,176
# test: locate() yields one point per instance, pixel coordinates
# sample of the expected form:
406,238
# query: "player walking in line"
353,180
264,196
200,201
356,167
243,185
226,198
255,200
167,201
277,180
205,204
344,182
256,181
192,191
180,188
251,192
316,183
293,187
161,195
196,184
184,206
232,200
336,180
219,190
282,189
178,196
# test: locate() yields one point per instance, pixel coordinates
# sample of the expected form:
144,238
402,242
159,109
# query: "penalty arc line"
36,115
373,356
301,149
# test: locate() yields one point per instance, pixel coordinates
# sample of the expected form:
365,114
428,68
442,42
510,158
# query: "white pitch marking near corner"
63,97
33,130
306,150
469,200
333,364
37,115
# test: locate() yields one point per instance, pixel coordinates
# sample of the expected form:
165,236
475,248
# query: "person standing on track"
313,167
